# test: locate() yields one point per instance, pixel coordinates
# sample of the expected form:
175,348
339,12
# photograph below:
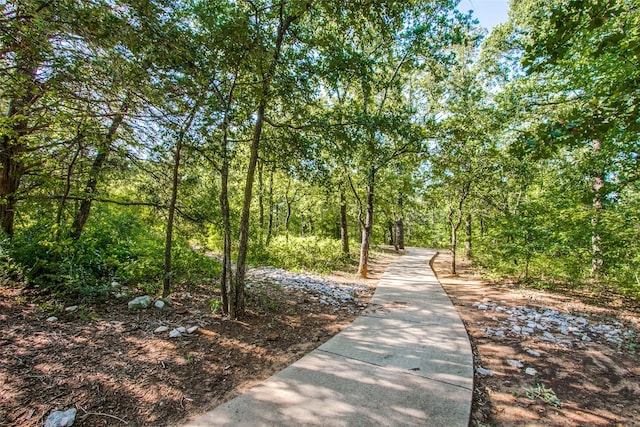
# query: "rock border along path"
406,361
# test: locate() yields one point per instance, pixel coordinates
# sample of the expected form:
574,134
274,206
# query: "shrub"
300,253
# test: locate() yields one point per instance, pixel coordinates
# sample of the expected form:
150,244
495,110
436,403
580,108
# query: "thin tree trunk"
167,280
390,229
82,215
237,305
226,277
468,236
597,261
227,293
344,231
270,217
368,226
455,220
288,201
454,243
400,223
287,219
168,273
67,186
261,196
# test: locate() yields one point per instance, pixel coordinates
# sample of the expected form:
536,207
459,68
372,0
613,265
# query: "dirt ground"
107,362
596,383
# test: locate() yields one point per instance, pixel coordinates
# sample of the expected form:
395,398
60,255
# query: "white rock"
175,333
52,319
192,329
181,329
482,307
160,329
159,304
140,302
515,363
533,353
485,372
71,308
530,371
61,418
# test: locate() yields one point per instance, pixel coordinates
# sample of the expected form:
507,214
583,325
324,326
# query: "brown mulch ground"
597,383
107,362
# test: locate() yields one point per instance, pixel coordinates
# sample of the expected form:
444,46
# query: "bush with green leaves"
300,253
118,245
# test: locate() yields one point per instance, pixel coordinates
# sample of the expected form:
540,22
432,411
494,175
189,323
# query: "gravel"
549,325
338,295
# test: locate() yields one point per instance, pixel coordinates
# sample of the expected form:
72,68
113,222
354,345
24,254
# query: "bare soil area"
592,381
107,362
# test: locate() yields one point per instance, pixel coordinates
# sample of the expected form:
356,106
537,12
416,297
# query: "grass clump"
540,392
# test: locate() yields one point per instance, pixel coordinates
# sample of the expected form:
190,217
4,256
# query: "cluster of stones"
326,291
180,331
552,326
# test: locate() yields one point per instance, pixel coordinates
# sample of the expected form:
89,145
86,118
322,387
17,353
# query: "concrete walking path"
406,361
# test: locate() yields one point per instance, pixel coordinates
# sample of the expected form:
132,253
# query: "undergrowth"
315,254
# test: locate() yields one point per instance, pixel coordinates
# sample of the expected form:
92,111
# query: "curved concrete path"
406,361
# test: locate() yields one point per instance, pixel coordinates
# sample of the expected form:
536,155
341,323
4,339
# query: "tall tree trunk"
597,261
167,280
344,231
261,196
287,219
289,202
67,185
12,147
400,223
11,171
270,203
399,227
454,224
82,215
368,226
236,306
226,277
455,219
468,236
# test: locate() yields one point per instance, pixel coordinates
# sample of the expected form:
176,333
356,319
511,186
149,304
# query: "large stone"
486,372
515,363
140,302
61,418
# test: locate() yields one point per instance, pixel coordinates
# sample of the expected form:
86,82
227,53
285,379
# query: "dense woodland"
158,142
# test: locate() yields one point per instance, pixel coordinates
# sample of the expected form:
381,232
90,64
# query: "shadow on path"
406,361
